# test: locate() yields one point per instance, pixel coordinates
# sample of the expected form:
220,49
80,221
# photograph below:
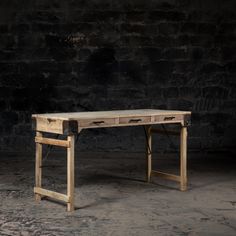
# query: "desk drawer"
97,122
169,118
135,120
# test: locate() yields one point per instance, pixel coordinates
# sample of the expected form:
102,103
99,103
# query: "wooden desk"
70,124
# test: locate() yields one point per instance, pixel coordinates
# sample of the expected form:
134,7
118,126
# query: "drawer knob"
134,120
169,117
98,122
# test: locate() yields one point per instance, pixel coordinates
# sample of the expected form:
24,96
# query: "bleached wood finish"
111,114
61,122
50,141
149,152
71,123
49,125
183,159
135,120
94,123
51,194
166,176
70,172
38,164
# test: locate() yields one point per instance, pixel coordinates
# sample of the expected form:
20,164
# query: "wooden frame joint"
166,175
51,194
55,142
187,120
70,127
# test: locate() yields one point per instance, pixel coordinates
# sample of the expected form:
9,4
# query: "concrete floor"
113,199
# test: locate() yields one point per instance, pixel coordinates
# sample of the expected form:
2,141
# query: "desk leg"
70,172
183,159
148,152
38,166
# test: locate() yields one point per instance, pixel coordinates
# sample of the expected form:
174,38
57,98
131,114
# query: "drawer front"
49,125
135,120
97,122
169,118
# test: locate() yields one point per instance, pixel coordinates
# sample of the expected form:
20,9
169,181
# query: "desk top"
109,114
66,123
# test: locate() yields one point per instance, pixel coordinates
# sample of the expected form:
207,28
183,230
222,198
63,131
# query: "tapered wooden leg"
148,152
38,168
70,172
183,159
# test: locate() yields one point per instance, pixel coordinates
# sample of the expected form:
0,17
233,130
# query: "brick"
163,5
195,144
7,68
155,92
136,41
23,129
19,28
3,105
7,41
212,68
206,28
162,67
197,53
127,93
227,29
215,118
174,53
189,27
20,104
228,53
9,118
135,16
189,92
195,132
224,40
45,27
42,16
146,55
215,92
166,16
133,28
124,54
132,71
180,104
207,104
183,66
4,28
231,66
96,16
7,55
171,92
168,28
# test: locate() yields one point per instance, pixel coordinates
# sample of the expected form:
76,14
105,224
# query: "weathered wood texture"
67,123
38,164
71,123
70,172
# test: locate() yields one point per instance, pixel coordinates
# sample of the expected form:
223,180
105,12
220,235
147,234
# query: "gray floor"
113,199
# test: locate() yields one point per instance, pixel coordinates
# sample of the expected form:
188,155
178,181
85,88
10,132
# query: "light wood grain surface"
109,114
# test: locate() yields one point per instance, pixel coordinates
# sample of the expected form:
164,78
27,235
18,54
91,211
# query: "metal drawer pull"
134,120
98,122
169,117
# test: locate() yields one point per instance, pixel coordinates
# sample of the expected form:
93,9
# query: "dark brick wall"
77,55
